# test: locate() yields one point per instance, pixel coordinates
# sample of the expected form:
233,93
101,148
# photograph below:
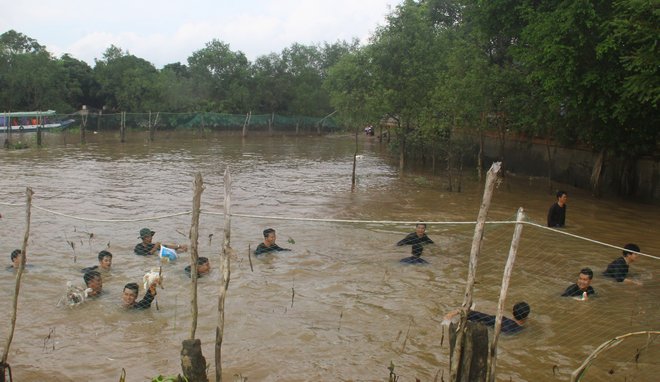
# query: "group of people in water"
92,276
581,289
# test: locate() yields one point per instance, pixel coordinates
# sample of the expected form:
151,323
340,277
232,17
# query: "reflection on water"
339,306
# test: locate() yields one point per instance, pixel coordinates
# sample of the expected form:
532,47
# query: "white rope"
589,240
333,221
12,204
111,220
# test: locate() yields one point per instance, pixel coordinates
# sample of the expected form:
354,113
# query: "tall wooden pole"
224,283
508,268
19,274
193,363
472,267
198,187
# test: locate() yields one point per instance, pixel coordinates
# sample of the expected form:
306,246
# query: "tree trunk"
596,174
473,364
193,362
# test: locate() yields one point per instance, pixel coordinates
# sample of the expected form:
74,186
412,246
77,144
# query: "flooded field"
339,306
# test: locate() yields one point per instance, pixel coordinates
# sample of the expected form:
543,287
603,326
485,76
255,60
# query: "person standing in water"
557,211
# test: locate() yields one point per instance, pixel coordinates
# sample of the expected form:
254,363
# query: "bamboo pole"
19,274
198,187
224,285
579,372
508,268
472,267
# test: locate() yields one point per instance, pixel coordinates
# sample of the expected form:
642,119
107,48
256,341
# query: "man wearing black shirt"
557,212
130,294
269,243
618,269
582,285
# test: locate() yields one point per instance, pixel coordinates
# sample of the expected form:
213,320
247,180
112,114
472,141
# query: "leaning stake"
19,274
477,239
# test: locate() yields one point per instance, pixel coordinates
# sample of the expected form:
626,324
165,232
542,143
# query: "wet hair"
417,250
103,254
630,247
588,272
202,260
268,231
15,253
561,193
521,310
90,275
132,286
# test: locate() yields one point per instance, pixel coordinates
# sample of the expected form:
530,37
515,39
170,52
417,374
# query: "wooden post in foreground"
224,282
19,274
198,187
508,268
477,239
473,367
193,363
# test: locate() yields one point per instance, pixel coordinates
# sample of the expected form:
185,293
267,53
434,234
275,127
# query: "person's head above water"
16,258
105,260
269,236
420,229
521,311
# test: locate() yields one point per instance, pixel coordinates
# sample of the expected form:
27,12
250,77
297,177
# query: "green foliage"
392,377
172,378
16,145
441,71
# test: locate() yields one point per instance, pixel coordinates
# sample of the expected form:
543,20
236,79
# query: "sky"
169,31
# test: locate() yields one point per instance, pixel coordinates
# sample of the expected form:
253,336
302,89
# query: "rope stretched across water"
349,221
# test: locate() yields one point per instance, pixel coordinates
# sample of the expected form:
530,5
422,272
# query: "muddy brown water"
339,306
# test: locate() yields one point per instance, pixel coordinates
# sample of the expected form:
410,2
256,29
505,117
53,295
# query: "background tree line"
446,72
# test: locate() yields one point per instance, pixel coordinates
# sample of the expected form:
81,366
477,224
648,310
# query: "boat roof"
28,113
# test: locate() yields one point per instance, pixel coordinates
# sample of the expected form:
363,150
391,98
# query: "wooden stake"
198,188
246,123
508,268
472,267
122,127
224,284
19,273
354,161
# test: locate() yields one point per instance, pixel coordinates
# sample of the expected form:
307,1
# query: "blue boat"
26,121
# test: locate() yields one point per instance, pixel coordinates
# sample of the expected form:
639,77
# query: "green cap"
144,232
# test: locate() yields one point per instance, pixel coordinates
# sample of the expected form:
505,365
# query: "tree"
128,83
406,59
222,76
79,83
